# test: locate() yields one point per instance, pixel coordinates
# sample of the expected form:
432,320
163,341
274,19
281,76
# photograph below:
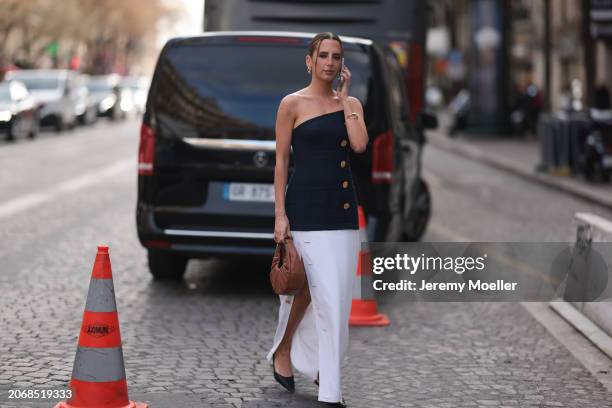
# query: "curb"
592,319
584,325
502,163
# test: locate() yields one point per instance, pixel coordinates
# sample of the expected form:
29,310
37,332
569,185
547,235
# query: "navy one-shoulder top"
320,193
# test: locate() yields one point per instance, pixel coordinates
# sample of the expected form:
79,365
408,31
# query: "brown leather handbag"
287,275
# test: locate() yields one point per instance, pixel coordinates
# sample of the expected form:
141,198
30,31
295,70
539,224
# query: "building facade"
563,47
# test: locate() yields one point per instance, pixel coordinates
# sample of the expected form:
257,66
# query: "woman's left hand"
344,92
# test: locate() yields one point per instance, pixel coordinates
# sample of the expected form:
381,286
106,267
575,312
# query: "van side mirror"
428,120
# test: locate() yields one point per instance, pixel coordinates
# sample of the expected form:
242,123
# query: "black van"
207,146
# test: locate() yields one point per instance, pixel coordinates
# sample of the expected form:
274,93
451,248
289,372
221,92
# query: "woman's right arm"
284,127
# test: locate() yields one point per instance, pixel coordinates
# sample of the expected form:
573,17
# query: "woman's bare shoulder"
290,101
296,97
293,102
300,93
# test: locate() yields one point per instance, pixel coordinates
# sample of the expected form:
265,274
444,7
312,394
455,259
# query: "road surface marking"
88,179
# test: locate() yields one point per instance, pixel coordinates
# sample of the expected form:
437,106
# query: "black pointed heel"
317,380
288,383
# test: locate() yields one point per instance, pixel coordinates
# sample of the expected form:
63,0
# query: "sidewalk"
519,156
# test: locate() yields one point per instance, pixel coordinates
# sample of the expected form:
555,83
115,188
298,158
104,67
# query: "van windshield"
233,90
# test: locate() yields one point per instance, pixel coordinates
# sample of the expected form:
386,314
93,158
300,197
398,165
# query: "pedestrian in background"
318,210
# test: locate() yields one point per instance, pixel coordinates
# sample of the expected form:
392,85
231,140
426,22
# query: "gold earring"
308,69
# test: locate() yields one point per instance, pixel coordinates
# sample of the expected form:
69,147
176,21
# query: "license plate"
249,192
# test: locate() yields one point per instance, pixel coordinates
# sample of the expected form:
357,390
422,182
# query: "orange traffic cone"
98,375
364,309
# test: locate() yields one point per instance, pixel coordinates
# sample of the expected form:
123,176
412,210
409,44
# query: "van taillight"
415,79
382,158
146,151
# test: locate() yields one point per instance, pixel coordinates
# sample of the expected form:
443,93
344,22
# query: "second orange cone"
364,309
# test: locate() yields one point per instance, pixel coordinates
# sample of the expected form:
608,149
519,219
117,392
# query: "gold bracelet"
353,115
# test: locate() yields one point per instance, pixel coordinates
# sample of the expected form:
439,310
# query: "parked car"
85,109
139,87
108,95
55,91
18,111
207,146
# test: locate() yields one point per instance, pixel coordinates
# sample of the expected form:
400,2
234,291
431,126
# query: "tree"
105,32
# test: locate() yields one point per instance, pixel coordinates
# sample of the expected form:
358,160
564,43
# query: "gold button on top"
346,206
343,163
345,184
344,142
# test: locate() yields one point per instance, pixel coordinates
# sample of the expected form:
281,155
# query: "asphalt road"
202,342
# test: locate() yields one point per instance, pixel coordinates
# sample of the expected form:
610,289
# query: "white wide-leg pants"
321,339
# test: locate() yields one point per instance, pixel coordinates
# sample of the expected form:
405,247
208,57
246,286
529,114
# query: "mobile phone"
341,82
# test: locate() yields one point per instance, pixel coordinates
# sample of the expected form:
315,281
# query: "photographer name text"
423,263
478,285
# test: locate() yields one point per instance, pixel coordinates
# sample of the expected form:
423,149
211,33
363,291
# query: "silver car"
56,93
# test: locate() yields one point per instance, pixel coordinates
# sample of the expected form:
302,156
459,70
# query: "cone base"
375,320
132,404
365,313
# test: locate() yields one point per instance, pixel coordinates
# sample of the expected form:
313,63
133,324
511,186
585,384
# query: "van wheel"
416,222
166,266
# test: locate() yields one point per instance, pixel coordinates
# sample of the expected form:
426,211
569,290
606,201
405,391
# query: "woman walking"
318,211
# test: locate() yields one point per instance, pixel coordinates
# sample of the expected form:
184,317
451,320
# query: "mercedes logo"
260,159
